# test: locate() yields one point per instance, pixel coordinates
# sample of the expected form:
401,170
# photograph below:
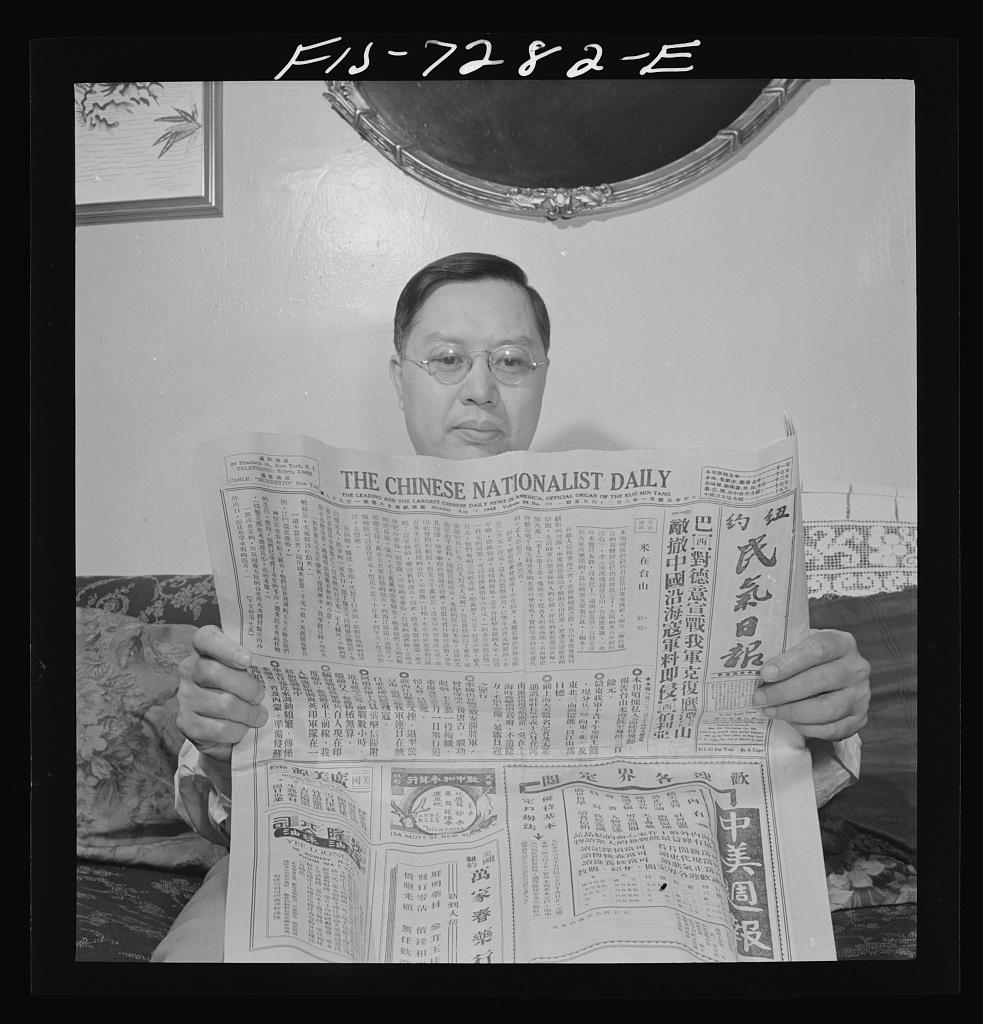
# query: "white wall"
783,282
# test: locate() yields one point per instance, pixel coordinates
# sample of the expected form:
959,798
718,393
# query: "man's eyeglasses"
450,364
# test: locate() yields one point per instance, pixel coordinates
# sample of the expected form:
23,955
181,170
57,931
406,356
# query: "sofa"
137,863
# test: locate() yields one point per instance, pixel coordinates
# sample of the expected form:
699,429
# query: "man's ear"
396,376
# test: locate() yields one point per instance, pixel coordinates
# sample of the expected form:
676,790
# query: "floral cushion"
872,880
127,743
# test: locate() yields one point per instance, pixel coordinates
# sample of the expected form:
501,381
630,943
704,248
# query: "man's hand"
821,686
218,700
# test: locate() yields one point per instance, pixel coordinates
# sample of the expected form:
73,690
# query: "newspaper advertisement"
510,702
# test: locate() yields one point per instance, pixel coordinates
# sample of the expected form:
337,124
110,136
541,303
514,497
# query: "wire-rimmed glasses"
450,364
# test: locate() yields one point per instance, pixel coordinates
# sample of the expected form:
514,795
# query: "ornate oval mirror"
560,149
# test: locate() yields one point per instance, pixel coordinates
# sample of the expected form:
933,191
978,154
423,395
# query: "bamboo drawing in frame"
147,150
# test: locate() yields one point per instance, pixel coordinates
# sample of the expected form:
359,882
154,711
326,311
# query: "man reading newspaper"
470,369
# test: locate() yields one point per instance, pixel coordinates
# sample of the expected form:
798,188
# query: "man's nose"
479,386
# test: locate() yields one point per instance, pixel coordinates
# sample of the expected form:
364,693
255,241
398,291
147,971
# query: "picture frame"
147,151
569,150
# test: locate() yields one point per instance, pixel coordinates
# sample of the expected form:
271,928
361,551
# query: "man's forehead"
459,310
452,338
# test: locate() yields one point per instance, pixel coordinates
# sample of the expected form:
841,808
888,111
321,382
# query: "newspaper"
510,702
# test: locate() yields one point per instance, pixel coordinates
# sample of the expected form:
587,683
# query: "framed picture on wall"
147,150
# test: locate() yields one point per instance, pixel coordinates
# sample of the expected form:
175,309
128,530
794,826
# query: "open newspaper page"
510,704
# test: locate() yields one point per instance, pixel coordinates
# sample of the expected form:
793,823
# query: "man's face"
478,416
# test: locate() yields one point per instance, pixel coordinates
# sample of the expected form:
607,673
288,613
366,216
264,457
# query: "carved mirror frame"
559,203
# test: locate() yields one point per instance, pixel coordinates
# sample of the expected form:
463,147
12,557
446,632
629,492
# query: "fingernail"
759,698
769,673
242,658
770,712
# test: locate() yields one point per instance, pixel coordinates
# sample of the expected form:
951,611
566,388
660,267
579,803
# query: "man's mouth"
477,431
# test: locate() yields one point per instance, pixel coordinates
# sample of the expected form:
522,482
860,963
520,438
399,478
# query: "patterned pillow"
127,743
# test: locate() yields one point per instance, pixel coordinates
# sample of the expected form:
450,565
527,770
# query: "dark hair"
462,266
